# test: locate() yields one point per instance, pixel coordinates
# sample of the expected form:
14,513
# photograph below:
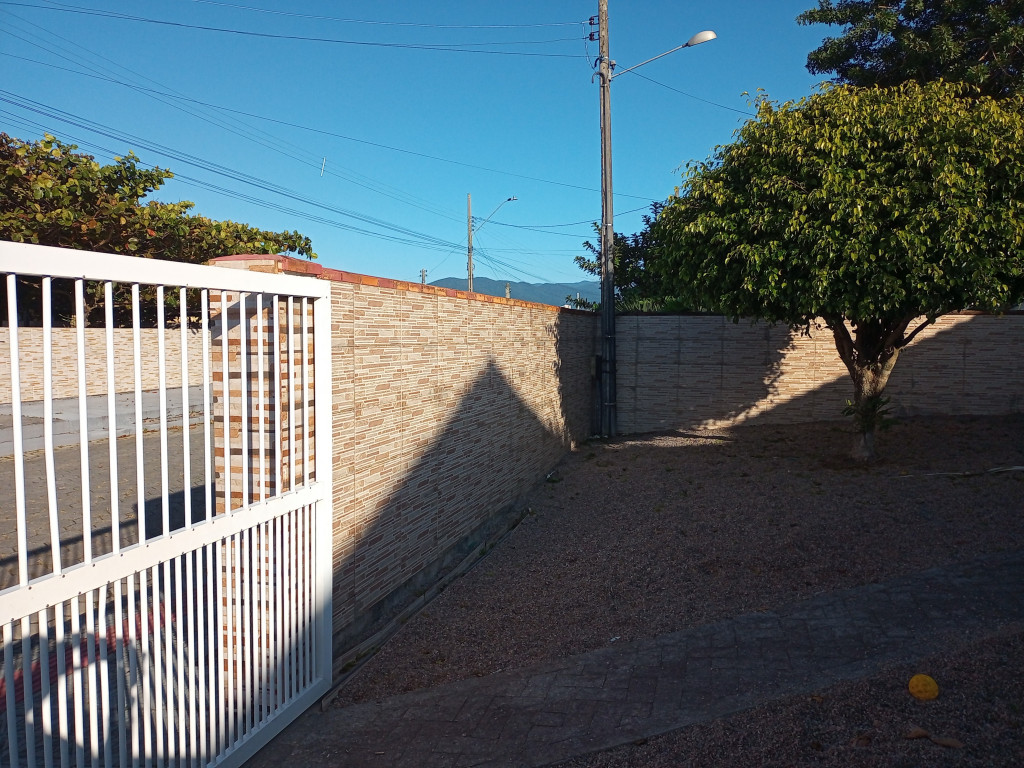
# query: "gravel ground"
638,537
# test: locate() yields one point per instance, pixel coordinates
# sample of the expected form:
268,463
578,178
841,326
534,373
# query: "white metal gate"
165,508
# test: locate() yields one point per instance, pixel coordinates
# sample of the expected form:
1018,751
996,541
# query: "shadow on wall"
692,372
964,365
438,460
696,371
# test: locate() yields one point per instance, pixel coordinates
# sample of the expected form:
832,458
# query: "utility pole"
469,234
423,277
605,67
606,71
469,238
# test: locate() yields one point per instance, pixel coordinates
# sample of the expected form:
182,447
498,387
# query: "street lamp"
470,229
605,71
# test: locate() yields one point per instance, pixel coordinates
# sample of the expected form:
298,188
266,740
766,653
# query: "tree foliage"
637,286
876,210
52,195
885,42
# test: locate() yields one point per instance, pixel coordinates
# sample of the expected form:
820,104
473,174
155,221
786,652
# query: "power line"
234,194
542,227
691,96
452,48
245,131
102,130
334,134
387,23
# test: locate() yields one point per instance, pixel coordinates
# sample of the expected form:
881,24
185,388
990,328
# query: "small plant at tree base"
870,415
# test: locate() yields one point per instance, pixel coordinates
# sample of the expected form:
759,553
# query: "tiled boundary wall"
447,407
692,372
65,361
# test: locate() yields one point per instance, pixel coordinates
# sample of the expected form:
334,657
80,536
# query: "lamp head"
700,37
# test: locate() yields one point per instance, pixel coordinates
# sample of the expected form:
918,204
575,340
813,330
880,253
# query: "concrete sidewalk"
551,712
66,422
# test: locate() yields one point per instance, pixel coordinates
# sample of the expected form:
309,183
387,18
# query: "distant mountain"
542,293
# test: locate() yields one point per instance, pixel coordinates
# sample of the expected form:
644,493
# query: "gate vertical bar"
144,669
244,385
186,442
28,686
140,466
291,393
77,698
115,514
165,615
161,367
12,710
198,658
19,446
226,394
323,382
124,686
180,657
44,686
237,571
83,421
304,371
261,395
276,443
207,414
251,637
92,669
51,478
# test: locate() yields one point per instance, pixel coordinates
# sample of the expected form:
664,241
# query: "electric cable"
387,23
691,96
211,167
451,48
234,194
345,137
272,142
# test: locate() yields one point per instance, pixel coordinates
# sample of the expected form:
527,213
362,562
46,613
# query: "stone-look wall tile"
730,373
65,361
446,408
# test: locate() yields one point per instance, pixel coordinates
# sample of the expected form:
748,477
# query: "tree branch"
844,344
916,331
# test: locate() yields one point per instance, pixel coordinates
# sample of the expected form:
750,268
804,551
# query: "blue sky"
370,145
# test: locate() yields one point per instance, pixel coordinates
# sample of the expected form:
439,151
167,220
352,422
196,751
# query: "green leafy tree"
637,287
52,195
875,210
885,42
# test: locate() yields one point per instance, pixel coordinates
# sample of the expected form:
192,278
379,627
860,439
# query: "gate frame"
76,580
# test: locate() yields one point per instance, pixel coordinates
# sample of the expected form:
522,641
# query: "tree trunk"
868,385
869,356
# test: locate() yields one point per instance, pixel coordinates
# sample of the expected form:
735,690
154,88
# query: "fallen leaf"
861,741
923,687
921,733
